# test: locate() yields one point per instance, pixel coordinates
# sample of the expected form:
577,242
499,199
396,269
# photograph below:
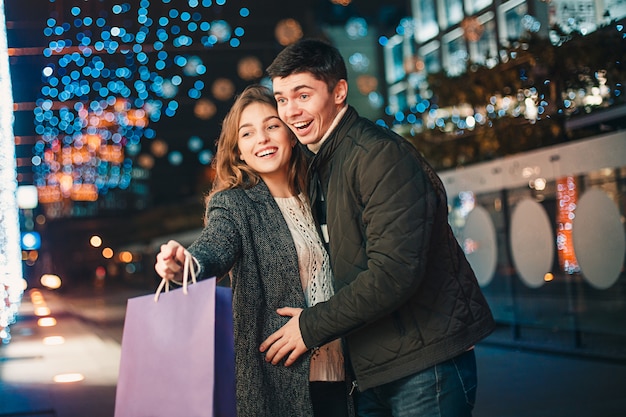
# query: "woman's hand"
170,260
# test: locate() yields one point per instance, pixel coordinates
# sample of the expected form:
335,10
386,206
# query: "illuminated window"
473,6
510,17
454,52
425,20
451,12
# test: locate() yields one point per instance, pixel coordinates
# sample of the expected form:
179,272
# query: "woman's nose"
263,137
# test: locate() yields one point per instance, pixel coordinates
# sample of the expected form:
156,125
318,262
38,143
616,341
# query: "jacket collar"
259,193
335,138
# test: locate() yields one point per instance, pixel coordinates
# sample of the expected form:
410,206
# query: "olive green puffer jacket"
406,296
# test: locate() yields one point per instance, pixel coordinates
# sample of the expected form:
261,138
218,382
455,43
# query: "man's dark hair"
314,56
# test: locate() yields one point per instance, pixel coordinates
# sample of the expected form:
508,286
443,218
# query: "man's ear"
341,91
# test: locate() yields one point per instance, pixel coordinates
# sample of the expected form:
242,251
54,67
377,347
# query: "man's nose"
291,109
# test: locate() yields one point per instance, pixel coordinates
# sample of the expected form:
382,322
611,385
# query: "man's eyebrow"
296,88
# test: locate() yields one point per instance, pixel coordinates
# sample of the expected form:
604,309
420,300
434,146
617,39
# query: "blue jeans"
447,389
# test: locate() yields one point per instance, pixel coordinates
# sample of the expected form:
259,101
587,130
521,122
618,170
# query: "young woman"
259,228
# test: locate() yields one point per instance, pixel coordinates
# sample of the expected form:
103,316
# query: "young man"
406,300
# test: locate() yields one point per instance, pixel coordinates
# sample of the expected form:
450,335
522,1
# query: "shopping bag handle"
190,268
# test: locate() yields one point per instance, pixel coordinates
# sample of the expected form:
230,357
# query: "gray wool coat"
246,232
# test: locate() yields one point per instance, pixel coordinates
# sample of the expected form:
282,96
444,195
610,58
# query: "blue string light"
105,83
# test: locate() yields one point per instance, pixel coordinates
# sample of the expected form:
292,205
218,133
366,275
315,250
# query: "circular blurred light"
50,281
47,322
95,241
42,311
356,27
125,256
223,89
195,143
159,148
288,31
192,66
53,340
205,157
366,84
107,253
221,30
145,161
249,68
204,109
67,378
31,241
175,158
101,272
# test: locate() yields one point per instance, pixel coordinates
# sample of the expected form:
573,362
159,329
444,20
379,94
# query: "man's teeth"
301,125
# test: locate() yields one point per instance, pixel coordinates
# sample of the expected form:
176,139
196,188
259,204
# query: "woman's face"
264,141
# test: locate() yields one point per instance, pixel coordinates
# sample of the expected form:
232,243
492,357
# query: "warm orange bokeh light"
47,322
95,241
65,378
107,253
51,281
42,311
53,340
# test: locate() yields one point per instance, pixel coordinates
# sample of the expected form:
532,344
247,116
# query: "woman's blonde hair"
230,170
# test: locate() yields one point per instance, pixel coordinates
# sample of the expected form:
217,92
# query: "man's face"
306,105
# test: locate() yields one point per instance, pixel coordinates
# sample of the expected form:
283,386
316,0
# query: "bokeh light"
50,281
249,68
68,378
108,78
95,241
288,31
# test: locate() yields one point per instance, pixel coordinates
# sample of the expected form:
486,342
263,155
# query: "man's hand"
285,341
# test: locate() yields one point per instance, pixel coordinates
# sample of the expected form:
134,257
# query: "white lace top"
316,278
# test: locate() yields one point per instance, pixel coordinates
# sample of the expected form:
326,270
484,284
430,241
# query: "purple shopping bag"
224,399
167,364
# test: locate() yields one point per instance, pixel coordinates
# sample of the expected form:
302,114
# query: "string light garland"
11,286
111,74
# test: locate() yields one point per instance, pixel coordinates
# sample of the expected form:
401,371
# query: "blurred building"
520,106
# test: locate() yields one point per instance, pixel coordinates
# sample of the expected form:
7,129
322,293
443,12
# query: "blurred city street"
86,342
109,123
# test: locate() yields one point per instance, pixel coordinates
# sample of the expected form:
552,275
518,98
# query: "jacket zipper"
354,387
